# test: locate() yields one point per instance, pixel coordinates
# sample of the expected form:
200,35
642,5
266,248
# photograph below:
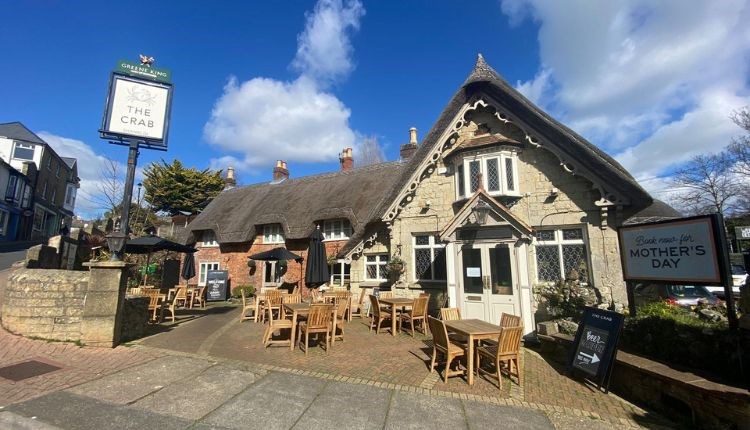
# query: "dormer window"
273,233
209,238
337,229
497,171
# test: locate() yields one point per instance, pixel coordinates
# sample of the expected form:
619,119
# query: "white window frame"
343,278
432,246
501,157
203,269
558,242
53,196
273,233
22,145
337,229
208,239
273,265
4,215
381,267
44,191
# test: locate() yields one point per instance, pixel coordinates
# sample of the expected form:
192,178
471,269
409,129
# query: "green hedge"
237,291
670,334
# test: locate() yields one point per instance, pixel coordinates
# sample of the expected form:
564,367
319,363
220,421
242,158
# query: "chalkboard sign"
596,344
217,285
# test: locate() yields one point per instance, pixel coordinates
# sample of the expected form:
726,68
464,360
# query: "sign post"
689,250
136,114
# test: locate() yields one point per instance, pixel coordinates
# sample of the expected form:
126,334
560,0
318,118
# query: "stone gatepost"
102,309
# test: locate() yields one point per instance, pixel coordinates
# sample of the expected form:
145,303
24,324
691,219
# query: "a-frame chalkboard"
595,345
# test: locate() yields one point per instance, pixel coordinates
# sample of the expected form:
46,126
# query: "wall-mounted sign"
742,232
680,251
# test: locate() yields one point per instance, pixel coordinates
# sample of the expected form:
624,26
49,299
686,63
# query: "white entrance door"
488,281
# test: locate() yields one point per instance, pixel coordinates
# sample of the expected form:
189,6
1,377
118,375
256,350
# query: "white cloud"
89,200
324,51
653,81
262,120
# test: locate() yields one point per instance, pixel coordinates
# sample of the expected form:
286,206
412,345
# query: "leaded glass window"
493,175
461,182
375,267
429,258
474,175
509,174
561,254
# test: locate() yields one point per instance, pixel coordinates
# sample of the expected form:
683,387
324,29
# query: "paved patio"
385,361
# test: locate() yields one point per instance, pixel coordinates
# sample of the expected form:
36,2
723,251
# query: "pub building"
497,198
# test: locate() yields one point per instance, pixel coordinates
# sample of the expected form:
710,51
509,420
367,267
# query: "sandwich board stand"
595,346
217,285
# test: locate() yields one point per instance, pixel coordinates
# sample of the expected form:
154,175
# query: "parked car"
680,295
739,277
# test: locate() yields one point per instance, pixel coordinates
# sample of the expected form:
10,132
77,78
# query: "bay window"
497,173
337,229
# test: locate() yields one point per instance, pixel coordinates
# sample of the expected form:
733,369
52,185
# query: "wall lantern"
481,210
116,243
251,263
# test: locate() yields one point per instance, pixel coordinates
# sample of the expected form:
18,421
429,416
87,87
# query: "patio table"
396,302
296,309
473,329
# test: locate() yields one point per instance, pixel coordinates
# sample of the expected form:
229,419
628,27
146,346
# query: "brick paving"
78,365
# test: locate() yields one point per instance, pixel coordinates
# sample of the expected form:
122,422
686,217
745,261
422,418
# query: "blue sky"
651,83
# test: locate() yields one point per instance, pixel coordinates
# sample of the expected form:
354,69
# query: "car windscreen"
687,291
738,270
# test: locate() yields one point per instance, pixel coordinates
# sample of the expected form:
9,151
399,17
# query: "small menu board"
595,344
216,285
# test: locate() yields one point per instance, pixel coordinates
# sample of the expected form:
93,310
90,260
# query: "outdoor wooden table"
296,309
400,302
474,329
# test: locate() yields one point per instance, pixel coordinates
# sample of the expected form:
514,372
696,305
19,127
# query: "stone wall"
135,316
45,303
67,305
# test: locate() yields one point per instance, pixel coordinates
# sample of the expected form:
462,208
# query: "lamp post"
116,243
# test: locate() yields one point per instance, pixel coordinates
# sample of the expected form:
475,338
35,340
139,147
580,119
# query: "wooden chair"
199,298
318,321
135,291
509,320
506,351
443,345
274,325
418,312
249,304
179,300
291,298
338,322
273,299
453,314
359,306
154,305
450,314
378,314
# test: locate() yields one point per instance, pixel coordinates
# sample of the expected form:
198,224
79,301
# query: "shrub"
237,291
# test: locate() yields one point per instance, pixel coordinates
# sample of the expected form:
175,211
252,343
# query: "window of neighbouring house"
57,170
203,269
429,258
23,151
376,267
44,191
70,195
561,253
10,192
340,273
273,233
497,173
337,229
272,273
40,216
3,222
208,238
49,164
54,196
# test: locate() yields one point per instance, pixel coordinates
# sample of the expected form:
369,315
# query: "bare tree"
371,152
708,184
737,157
110,186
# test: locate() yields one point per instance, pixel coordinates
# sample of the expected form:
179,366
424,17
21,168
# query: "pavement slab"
275,401
487,416
349,406
74,412
127,387
10,420
193,398
416,411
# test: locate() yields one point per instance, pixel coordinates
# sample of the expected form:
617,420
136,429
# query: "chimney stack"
408,149
346,159
280,172
229,181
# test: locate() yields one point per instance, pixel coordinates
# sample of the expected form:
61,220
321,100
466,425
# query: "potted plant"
396,265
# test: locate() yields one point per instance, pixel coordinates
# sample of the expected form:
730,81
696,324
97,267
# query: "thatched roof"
657,211
593,162
297,204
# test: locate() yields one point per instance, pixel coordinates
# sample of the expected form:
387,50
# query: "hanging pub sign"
595,344
679,251
139,105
